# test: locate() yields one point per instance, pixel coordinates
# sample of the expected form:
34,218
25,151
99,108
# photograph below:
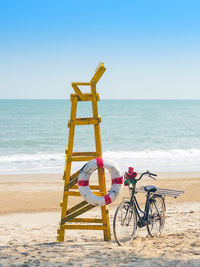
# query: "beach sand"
30,214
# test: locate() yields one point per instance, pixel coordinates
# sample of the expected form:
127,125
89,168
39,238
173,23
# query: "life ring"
84,176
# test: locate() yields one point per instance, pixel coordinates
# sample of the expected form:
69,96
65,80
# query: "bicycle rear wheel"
124,224
156,219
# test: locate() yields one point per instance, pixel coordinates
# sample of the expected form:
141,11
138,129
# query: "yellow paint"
77,213
83,158
84,121
84,154
76,207
86,220
70,180
84,227
88,97
77,193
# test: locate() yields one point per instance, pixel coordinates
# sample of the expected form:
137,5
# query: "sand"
22,193
30,213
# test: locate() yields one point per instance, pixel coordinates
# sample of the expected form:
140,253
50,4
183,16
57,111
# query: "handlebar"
147,173
130,178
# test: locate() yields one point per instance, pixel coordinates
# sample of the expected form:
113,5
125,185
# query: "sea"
155,135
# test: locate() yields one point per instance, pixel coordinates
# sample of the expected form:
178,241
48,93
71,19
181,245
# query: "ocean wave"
155,154
32,157
155,160
158,160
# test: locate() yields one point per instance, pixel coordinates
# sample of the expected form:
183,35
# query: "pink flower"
130,170
134,174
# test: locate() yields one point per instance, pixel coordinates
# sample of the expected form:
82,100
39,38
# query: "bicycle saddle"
150,188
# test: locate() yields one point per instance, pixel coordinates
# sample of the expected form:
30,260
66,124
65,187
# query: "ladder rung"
98,194
72,193
73,176
77,193
77,206
81,83
86,220
84,227
84,121
92,187
85,154
88,97
79,158
77,213
71,183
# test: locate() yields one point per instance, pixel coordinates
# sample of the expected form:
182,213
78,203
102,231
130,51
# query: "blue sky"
151,48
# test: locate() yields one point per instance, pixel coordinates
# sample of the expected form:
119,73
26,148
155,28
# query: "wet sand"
43,192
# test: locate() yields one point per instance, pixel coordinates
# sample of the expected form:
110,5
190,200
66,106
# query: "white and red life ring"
84,176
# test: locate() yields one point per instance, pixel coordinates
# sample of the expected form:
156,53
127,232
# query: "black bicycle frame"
137,208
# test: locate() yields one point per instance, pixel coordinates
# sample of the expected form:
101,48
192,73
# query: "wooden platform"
162,192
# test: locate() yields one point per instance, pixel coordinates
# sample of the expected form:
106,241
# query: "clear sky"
151,48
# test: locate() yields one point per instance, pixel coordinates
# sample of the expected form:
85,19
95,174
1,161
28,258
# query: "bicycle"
129,216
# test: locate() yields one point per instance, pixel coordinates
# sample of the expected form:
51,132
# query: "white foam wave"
154,160
32,157
158,160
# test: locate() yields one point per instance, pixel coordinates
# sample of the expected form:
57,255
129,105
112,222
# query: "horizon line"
102,99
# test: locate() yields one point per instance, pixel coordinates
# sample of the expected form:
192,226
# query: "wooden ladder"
69,218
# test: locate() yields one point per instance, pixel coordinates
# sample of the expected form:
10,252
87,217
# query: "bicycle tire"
156,218
124,223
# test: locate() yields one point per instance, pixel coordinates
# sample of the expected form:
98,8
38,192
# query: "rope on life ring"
84,176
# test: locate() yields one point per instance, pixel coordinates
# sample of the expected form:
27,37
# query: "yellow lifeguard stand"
69,218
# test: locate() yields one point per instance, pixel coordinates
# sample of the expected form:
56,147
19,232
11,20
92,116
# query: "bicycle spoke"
156,216
124,224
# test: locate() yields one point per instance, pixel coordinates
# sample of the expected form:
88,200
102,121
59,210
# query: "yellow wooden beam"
84,153
77,213
78,92
83,227
77,193
88,97
84,121
86,220
99,72
73,176
72,193
97,133
67,169
70,184
76,207
81,83
79,158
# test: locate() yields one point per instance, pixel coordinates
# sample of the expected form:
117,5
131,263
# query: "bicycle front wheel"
124,224
156,218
